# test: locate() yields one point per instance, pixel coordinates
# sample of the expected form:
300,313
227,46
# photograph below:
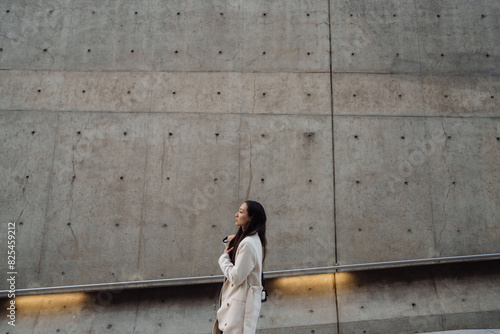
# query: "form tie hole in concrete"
62,273
483,16
406,182
357,181
135,13
400,96
310,181
311,228
128,92
220,52
221,14
262,180
394,15
409,230
352,54
463,300
442,54
132,51
355,136
125,133
263,135
216,134
263,53
170,134
354,95
173,93
359,230
413,304
109,326
453,182
309,53
39,90
176,51
27,176
168,178
1,49
178,13
7,11
164,225
446,96
307,14
117,225
498,138
21,223
311,311
458,231
397,54
308,94
218,93
93,12
449,137
350,15
88,50
79,133
83,91
215,179
69,224
362,307
44,50
121,177
33,132
403,137
487,55
438,15
264,14
492,96
263,94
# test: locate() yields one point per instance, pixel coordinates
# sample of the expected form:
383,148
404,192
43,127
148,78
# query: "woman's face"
241,217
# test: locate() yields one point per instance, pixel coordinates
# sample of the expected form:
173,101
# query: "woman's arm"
246,258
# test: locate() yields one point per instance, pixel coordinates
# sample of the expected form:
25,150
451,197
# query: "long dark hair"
256,225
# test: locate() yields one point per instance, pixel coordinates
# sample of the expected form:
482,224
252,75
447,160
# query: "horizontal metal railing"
269,274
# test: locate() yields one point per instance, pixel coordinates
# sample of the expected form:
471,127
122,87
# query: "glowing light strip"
269,274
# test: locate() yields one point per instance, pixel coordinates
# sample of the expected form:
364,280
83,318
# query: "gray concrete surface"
131,131
412,300
471,331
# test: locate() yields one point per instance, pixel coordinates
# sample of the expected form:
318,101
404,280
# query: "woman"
241,264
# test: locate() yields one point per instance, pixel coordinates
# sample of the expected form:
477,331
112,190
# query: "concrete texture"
162,92
414,300
131,131
418,37
431,167
156,35
472,331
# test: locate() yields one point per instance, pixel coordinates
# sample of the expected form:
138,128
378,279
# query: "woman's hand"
227,251
229,238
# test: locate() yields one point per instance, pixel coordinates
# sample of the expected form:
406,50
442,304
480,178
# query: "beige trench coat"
240,299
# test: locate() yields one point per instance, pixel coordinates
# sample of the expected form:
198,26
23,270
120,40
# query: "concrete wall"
130,130
408,300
